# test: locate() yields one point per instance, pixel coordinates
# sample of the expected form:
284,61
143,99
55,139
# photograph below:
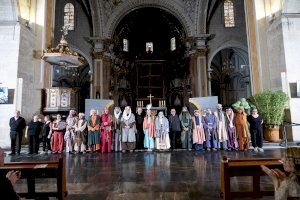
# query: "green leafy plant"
242,103
271,105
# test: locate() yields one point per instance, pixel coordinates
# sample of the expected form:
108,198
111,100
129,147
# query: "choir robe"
198,132
210,134
162,139
221,129
149,132
128,134
94,136
117,133
106,136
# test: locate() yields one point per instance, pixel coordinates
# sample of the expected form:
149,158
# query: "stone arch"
89,61
240,50
172,6
238,47
85,55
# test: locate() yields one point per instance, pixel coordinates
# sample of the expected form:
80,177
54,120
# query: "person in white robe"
162,139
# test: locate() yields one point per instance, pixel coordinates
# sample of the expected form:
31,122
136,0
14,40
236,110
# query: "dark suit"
16,133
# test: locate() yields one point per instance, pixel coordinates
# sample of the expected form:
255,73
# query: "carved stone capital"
100,55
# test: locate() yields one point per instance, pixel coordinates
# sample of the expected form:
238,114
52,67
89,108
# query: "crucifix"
150,96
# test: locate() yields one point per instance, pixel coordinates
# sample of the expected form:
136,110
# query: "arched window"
69,16
229,14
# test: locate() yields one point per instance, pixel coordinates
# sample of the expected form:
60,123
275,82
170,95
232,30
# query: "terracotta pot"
271,134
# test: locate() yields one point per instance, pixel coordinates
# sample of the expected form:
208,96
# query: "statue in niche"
177,101
123,102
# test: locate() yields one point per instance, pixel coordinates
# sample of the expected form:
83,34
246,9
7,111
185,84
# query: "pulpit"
60,99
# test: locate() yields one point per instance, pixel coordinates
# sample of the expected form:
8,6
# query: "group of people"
218,130
127,132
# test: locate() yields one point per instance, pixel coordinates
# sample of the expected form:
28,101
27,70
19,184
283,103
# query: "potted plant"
271,105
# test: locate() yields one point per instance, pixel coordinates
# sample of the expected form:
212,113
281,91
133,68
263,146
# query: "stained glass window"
125,45
173,44
229,14
69,16
149,47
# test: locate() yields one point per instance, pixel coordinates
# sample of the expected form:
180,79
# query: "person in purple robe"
232,143
210,129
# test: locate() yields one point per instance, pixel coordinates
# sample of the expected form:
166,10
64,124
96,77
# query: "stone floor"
146,175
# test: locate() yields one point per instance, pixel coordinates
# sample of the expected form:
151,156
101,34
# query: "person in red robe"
106,124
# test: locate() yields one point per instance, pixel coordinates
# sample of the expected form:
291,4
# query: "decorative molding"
108,15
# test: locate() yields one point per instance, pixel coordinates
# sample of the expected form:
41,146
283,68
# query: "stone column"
198,67
101,73
253,46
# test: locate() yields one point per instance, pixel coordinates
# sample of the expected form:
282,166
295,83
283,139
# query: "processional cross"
150,96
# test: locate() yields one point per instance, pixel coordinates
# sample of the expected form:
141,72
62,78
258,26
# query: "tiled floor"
146,175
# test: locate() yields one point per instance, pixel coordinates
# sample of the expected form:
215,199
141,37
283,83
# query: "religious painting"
3,95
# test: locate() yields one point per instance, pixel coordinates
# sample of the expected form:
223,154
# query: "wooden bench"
245,167
41,169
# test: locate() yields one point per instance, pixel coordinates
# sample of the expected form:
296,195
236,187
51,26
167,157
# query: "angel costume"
148,127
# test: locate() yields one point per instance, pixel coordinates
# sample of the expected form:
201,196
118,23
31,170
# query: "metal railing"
284,135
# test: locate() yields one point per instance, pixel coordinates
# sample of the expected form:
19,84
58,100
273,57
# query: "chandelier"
61,55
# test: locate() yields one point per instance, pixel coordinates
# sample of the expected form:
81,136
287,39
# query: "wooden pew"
41,169
246,167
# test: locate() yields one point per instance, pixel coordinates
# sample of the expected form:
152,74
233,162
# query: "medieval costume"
241,127
221,129
117,129
162,139
33,132
256,131
58,128
106,136
210,128
128,130
198,131
70,131
174,128
232,143
80,134
94,131
186,123
139,127
149,131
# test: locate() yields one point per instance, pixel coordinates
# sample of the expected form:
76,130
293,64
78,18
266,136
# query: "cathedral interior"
133,52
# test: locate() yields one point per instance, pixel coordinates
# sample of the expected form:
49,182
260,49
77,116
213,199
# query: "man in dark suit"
17,124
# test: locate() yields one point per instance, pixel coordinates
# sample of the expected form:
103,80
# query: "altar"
157,104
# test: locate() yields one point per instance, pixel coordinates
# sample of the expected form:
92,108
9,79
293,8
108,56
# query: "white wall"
18,68
9,53
291,37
